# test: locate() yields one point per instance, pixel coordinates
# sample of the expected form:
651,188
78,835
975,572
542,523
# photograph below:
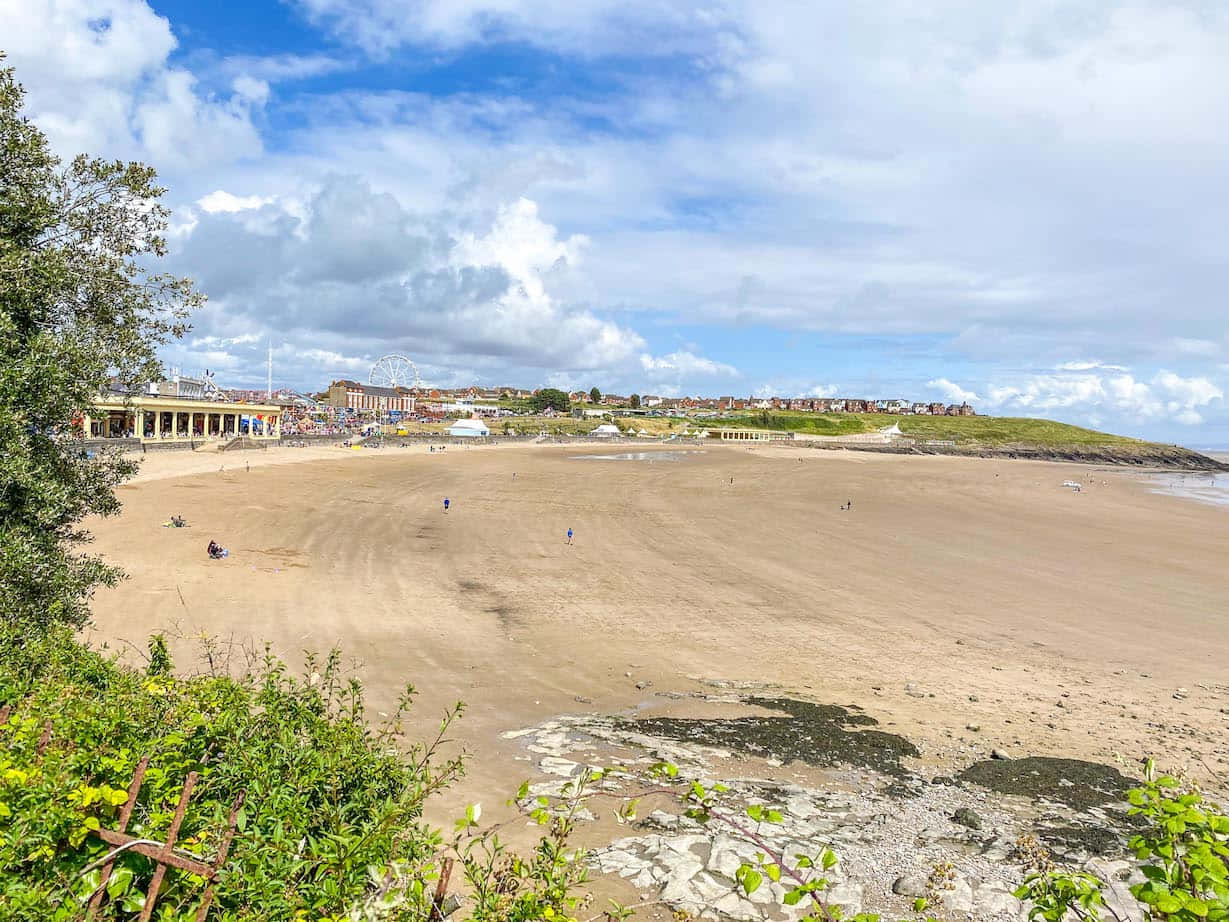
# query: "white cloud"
820,390
345,273
684,364
221,201
1088,365
581,26
99,80
952,391
1165,396
280,68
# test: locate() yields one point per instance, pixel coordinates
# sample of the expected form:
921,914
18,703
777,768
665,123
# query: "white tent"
606,430
469,428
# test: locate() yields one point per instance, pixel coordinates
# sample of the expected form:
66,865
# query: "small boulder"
1000,754
966,817
910,885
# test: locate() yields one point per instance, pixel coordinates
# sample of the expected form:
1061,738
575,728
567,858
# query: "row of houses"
797,404
851,405
359,397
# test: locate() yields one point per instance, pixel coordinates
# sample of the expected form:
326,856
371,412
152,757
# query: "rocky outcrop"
1141,455
962,842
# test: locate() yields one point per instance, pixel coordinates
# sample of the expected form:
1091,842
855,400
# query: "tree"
635,401
78,305
595,395
551,398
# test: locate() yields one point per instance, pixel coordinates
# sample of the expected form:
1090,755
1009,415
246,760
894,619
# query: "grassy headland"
1004,436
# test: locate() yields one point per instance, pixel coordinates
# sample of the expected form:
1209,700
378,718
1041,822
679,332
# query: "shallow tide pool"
649,456
1212,488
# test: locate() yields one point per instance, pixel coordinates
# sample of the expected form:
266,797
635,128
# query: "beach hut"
469,429
606,431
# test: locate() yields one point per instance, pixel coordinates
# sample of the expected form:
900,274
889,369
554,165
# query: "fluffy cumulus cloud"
1118,395
349,266
98,78
685,364
952,391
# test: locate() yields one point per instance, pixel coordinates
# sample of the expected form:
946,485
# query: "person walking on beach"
445,503
569,536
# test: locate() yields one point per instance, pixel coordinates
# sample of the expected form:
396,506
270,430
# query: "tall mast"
269,382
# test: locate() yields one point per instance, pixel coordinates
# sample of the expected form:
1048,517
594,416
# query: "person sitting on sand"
178,521
216,551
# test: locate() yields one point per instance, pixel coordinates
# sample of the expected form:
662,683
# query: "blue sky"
1021,203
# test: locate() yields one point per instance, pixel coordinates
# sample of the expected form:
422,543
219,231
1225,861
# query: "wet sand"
955,592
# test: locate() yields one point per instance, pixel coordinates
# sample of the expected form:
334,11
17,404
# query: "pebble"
1000,754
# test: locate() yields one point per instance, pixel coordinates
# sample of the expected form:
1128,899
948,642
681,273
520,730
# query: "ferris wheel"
394,371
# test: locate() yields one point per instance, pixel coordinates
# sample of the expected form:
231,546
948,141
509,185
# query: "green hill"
991,435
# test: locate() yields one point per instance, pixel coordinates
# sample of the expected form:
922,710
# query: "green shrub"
328,796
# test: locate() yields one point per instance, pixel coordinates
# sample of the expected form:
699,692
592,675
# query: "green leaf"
121,880
773,871
751,881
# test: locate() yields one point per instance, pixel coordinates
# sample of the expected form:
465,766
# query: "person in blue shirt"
569,536
445,503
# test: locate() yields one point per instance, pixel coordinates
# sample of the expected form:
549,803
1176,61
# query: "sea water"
1204,486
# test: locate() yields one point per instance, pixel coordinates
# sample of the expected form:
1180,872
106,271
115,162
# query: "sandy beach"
955,593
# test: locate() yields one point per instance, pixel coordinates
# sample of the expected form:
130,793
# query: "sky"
1021,203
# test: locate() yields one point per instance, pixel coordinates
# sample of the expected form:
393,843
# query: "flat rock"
913,885
959,898
847,895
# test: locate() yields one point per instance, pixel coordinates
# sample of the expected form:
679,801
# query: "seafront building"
161,419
